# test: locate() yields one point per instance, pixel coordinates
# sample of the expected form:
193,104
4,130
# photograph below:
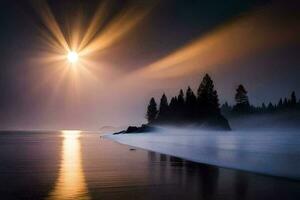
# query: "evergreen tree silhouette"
263,107
190,104
270,107
280,104
293,99
151,111
226,109
285,103
173,109
207,97
242,102
180,105
163,109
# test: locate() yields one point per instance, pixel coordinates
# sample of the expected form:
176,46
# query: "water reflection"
28,170
71,181
197,181
241,185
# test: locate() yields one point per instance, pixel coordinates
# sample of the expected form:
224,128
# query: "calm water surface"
81,165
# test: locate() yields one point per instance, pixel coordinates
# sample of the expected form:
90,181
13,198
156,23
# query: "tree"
190,104
293,99
181,97
285,103
280,103
270,107
208,102
163,109
173,109
151,111
226,108
186,108
242,102
263,107
180,104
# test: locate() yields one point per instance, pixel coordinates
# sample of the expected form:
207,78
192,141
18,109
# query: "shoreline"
211,165
262,163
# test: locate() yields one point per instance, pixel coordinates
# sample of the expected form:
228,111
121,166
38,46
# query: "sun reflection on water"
71,181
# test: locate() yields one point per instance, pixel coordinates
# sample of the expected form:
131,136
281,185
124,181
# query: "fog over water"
268,151
80,165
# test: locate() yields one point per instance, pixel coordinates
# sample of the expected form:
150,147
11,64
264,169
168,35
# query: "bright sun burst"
73,56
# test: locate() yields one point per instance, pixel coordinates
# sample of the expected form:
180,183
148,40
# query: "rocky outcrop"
217,123
134,129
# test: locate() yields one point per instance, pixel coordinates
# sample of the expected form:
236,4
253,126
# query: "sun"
73,56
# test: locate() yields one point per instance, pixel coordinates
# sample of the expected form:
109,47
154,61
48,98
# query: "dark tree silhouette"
291,104
203,110
190,104
293,99
226,109
280,104
270,107
207,97
163,109
173,109
242,102
180,104
285,103
151,111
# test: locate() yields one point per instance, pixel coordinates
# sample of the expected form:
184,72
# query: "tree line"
242,105
188,106
191,107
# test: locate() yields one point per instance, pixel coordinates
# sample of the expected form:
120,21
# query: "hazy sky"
136,50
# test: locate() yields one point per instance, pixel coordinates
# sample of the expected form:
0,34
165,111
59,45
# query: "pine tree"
270,107
207,97
190,104
181,97
163,109
242,102
226,109
263,107
186,108
172,109
180,105
280,103
285,103
152,111
293,99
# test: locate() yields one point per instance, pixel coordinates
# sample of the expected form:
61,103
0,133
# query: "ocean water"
58,165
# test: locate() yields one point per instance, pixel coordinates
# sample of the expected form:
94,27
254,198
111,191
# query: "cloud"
256,31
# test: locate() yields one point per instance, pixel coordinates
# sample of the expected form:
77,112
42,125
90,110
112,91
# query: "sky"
132,50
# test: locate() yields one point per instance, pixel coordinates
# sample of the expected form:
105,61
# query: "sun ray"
69,46
53,29
96,23
116,29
